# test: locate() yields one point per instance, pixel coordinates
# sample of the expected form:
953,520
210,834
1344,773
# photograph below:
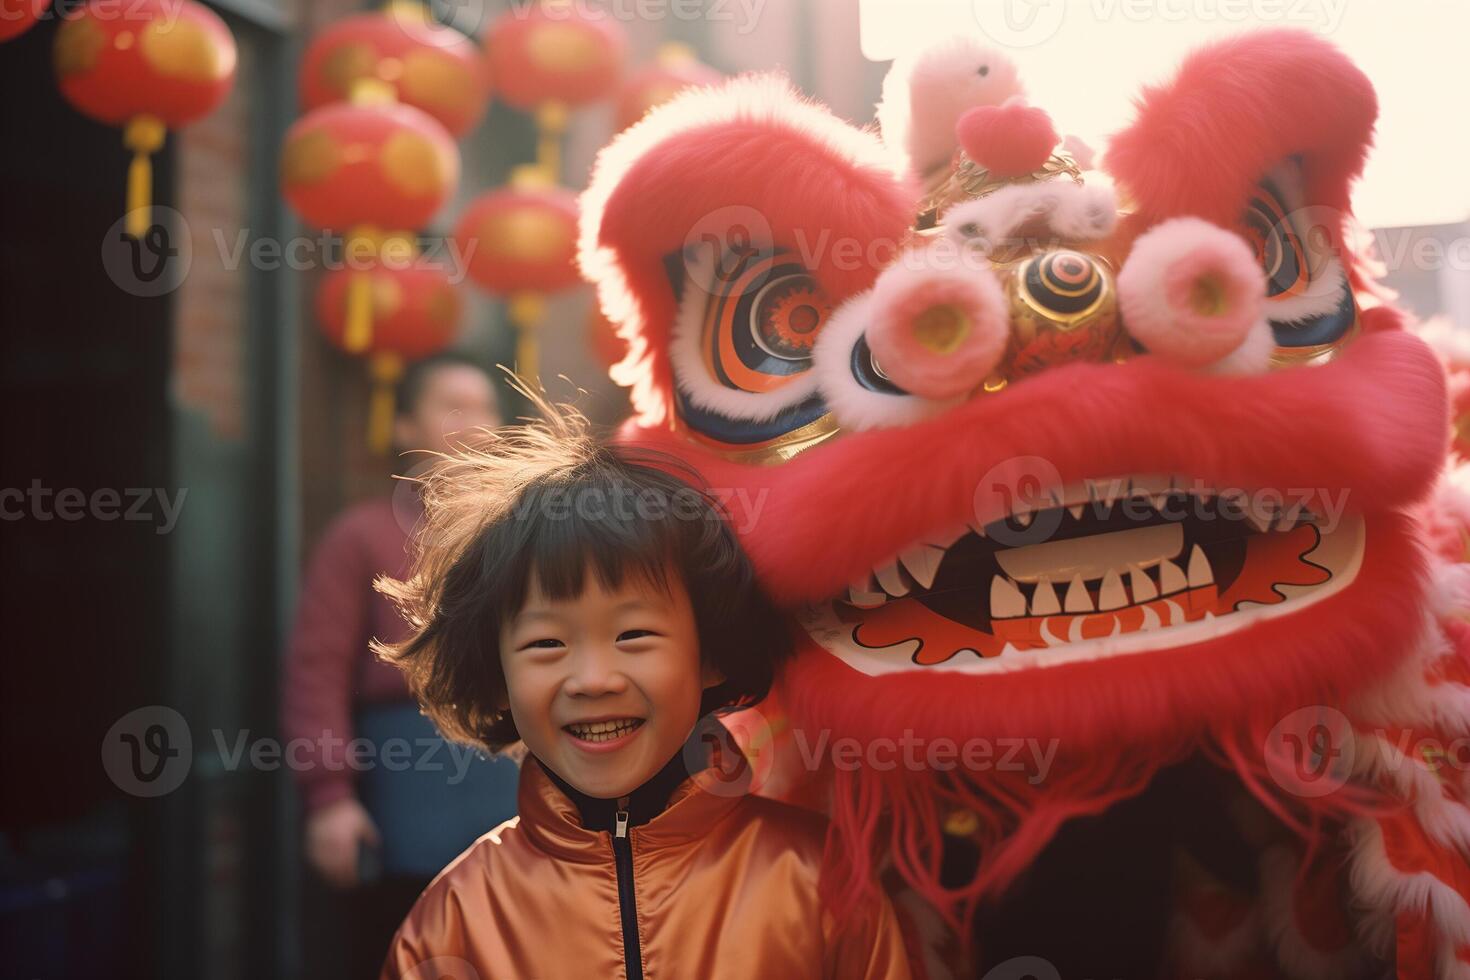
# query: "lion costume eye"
1310,302
743,337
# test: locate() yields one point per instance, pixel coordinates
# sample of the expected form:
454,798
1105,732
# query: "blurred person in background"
377,831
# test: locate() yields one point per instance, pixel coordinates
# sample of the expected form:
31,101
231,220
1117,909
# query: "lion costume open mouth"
1111,567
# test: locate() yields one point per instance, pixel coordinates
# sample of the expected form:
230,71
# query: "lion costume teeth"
1260,656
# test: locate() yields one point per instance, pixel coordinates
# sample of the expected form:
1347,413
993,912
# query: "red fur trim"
824,189
860,499
1235,110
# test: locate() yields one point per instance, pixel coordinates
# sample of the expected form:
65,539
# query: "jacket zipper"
622,846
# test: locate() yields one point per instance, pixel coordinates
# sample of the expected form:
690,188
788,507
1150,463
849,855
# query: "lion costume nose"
941,332
938,332
1191,291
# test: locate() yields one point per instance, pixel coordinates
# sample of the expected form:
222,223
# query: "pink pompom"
1191,291
1009,140
938,333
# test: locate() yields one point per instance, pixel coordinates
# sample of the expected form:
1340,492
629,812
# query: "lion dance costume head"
1131,470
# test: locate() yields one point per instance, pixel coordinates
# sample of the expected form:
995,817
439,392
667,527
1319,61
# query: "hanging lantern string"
368,245
372,91
527,310
144,136
387,369
551,126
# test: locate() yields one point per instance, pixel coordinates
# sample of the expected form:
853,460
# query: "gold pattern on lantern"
527,234
561,47
183,49
387,297
413,164
311,158
429,78
78,43
346,64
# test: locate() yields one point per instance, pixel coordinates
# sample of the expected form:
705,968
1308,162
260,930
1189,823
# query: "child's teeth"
603,731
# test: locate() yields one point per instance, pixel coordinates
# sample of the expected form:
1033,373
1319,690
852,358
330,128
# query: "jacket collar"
642,805
673,808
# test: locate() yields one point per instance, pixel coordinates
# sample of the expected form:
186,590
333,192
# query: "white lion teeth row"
604,731
1008,602
921,561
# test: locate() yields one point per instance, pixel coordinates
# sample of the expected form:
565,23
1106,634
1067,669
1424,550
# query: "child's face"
605,687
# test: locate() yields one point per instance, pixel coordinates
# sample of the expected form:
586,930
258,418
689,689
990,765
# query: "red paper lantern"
521,239
520,242
554,52
19,16
675,70
384,164
551,58
427,65
416,309
415,312
146,65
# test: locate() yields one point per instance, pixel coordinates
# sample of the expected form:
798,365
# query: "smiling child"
585,601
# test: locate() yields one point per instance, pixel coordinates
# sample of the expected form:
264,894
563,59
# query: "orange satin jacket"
724,887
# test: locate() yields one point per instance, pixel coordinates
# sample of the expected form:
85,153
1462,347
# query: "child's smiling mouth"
603,732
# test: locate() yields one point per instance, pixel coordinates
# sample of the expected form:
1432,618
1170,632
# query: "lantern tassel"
357,332
387,368
144,136
551,124
526,312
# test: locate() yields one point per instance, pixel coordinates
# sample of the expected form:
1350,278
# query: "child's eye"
626,635
544,644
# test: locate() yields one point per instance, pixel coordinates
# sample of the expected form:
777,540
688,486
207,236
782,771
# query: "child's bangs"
595,524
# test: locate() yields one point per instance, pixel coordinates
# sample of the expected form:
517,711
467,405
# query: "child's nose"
596,672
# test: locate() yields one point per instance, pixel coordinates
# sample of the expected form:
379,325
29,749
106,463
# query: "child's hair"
548,499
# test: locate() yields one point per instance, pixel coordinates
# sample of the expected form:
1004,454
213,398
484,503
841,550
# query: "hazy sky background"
1085,60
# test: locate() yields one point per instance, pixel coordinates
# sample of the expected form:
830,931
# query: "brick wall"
209,345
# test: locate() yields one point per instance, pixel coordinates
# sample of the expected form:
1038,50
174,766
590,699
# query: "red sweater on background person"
330,673
329,668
